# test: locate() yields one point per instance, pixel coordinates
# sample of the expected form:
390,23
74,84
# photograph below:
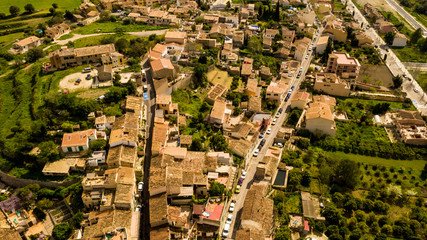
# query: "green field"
40,4
410,54
8,39
96,40
109,27
414,164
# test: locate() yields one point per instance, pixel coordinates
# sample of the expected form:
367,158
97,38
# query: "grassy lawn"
9,39
218,76
108,27
96,40
355,107
410,54
421,77
339,6
414,164
66,36
188,103
293,203
40,4
396,19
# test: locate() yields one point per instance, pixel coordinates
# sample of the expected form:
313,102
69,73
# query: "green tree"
305,178
48,152
424,172
62,231
227,5
389,37
283,233
45,204
67,127
328,50
76,220
347,174
55,5
68,15
197,145
218,142
277,12
397,81
39,214
34,54
415,36
29,8
254,45
217,189
97,144
121,45
303,143
14,10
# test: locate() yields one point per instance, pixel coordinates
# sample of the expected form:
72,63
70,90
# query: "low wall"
21,182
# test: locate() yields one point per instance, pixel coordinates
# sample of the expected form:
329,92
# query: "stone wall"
20,182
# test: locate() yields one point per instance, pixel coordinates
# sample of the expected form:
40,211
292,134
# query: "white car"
256,152
226,230
415,90
232,205
268,130
140,186
229,218
274,121
243,174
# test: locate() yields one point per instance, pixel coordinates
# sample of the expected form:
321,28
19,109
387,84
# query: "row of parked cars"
227,225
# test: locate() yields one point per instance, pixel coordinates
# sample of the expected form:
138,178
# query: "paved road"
409,86
253,162
408,17
151,105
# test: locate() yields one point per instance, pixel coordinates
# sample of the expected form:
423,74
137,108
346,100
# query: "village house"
121,156
331,84
97,158
336,30
175,37
215,93
301,48
26,44
399,40
79,141
219,112
411,127
300,99
104,122
105,73
63,167
57,31
276,92
252,87
321,44
163,68
383,26
343,65
372,12
257,212
363,39
134,105
164,102
70,57
319,115
159,51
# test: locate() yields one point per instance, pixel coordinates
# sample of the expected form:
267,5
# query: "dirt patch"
69,82
218,76
93,93
375,74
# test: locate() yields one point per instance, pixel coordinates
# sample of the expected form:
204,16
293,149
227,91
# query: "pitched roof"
28,40
176,35
160,64
319,110
325,99
77,138
218,109
301,96
252,85
163,99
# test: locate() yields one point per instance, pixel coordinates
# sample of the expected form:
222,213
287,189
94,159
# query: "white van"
226,230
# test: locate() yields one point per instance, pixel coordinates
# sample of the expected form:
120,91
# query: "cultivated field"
218,76
38,5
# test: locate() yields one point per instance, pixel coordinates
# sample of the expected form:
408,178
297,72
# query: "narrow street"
410,85
151,105
269,139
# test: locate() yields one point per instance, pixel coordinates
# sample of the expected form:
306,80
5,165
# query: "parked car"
229,218
256,152
88,77
415,90
268,130
232,206
240,182
138,208
274,121
262,142
261,135
140,186
237,189
280,110
86,70
226,230
145,88
243,174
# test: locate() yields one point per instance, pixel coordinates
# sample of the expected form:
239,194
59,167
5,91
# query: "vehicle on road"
88,77
232,206
278,114
268,130
262,142
280,110
86,70
240,182
145,88
274,121
261,135
292,88
306,56
404,76
229,218
226,230
415,90
243,174
287,97
237,189
140,186
138,208
256,152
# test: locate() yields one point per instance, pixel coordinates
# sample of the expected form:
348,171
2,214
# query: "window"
80,148
69,149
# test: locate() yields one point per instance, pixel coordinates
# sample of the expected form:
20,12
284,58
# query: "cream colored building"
300,99
343,65
337,30
399,40
331,84
321,44
319,115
